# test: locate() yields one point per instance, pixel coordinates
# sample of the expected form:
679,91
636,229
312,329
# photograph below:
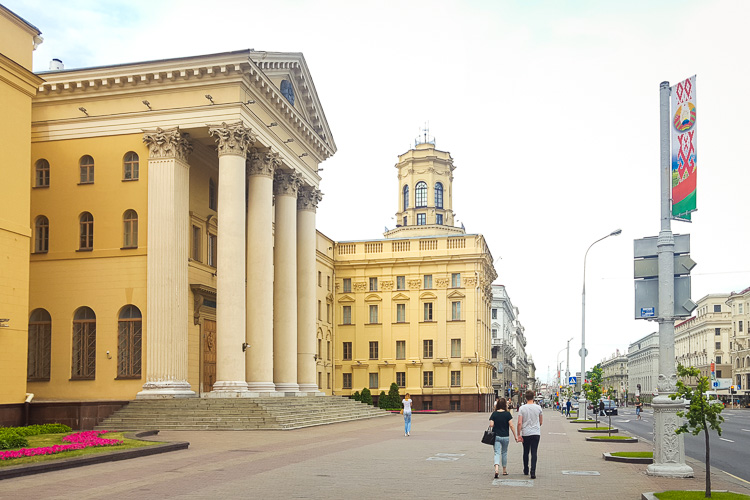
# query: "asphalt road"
729,452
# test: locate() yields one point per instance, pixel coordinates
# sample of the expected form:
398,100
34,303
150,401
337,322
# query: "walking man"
567,408
529,431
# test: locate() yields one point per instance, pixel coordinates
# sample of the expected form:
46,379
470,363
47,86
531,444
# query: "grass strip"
633,454
611,437
696,495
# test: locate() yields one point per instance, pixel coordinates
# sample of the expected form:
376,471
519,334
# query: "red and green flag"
684,147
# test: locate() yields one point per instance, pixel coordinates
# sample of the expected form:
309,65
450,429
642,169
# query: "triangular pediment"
346,298
373,297
455,294
400,296
427,296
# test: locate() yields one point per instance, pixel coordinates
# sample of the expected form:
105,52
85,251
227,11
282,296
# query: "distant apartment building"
739,343
615,376
643,367
508,346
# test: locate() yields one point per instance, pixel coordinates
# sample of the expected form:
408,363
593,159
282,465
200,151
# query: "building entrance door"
209,355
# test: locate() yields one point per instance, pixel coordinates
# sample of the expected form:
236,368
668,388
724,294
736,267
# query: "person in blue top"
501,422
407,414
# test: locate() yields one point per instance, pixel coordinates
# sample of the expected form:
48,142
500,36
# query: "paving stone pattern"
366,459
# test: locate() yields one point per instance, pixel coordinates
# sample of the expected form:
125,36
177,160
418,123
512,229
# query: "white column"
259,354
285,282
233,141
167,269
307,202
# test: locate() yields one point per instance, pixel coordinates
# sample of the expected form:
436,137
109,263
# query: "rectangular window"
494,314
373,314
740,305
718,346
196,244
456,310
320,278
347,351
717,331
373,284
428,311
319,378
455,379
455,405
455,348
400,282
427,348
740,325
427,405
404,220
456,280
347,316
401,379
328,283
718,373
320,308
439,219
718,360
347,380
317,353
347,285
373,350
427,379
373,381
400,349
400,313
328,381
212,244
494,333
717,308
421,219
427,281
328,313
328,350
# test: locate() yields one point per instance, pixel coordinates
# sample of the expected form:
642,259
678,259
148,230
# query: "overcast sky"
549,108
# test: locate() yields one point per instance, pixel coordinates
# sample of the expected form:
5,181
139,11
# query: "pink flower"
78,440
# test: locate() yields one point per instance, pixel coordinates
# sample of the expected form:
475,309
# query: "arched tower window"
87,231
438,195
130,229
420,195
129,335
406,197
130,166
84,344
40,346
42,173
41,234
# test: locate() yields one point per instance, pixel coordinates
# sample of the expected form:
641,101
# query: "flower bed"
78,441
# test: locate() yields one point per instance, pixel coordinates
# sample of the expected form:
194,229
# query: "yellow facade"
324,338
17,88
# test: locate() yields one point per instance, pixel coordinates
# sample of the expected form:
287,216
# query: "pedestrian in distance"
568,406
407,414
501,422
638,408
529,432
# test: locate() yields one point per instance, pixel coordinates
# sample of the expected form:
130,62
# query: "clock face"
287,91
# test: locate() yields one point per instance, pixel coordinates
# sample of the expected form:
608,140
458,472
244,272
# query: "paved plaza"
443,458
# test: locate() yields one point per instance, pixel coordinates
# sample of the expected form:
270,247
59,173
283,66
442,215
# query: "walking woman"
501,422
407,414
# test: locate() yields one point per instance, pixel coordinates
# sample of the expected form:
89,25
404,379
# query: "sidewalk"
443,458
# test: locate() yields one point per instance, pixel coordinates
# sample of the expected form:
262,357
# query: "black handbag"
489,437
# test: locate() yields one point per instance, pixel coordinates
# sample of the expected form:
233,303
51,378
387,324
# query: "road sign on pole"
572,381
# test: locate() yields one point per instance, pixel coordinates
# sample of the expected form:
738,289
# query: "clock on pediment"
287,91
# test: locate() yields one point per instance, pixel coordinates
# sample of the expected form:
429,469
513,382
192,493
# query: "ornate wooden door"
209,355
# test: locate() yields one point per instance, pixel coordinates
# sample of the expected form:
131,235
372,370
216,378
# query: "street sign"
648,312
649,268
647,297
580,352
646,247
572,381
715,384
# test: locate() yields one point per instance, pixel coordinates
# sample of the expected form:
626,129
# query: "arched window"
84,344
130,166
87,231
420,195
40,346
438,195
406,197
211,194
41,234
42,173
87,169
130,229
129,335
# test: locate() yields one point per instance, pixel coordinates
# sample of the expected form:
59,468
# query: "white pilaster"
285,282
307,202
259,354
167,270
233,141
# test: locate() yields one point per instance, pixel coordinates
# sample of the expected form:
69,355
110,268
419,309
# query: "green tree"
366,396
701,415
394,396
383,400
357,396
593,390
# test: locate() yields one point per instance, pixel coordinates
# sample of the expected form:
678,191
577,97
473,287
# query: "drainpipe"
26,406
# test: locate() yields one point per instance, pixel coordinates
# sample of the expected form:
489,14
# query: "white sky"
549,108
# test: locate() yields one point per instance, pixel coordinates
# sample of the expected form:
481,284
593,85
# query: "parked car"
610,408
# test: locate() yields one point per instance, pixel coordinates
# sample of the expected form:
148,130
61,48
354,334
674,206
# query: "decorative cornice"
262,163
308,198
168,143
286,183
233,138
415,284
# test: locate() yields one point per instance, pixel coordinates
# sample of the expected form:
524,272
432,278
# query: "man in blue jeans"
529,430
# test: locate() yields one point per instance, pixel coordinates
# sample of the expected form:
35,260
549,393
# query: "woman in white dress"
407,414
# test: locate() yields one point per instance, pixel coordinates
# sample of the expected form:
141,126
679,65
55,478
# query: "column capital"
168,143
308,198
233,139
286,183
262,162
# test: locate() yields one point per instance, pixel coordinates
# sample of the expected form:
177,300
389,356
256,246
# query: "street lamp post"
616,232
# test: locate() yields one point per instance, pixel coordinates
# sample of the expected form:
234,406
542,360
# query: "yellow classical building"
414,308
18,86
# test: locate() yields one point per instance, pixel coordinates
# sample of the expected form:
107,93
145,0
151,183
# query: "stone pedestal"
669,448
582,408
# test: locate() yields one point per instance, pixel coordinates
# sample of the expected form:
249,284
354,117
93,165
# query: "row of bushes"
390,401
15,437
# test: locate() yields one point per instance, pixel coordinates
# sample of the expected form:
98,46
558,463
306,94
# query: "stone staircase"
268,413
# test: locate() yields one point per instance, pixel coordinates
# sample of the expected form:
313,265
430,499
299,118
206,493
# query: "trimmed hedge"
15,437
10,440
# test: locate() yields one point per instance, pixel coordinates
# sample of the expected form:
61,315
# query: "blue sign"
715,384
648,312
571,381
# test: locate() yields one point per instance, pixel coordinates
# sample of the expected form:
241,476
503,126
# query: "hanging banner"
684,147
